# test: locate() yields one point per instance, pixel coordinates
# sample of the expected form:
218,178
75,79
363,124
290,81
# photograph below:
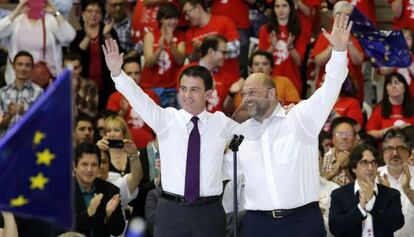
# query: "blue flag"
36,158
384,48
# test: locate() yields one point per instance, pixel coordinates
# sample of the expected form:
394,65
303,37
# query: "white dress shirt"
121,182
281,166
325,189
367,225
407,207
173,127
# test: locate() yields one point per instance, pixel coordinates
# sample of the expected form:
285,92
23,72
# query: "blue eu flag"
384,48
36,158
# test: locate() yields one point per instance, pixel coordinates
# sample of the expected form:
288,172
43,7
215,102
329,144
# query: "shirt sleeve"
155,116
312,119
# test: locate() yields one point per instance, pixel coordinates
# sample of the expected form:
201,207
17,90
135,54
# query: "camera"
115,143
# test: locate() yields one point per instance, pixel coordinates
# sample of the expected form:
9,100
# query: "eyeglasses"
365,163
344,134
114,5
399,149
252,92
188,12
222,51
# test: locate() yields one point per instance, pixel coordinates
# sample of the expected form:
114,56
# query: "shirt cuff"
339,55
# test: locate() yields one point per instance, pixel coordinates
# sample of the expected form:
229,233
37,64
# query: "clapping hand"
111,205
341,31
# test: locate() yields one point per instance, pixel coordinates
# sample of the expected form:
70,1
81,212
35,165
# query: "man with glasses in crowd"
397,174
335,161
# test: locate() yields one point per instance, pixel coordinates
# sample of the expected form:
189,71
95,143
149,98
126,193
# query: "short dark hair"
23,53
83,117
201,72
356,156
167,11
340,120
396,133
263,53
86,147
211,42
193,3
72,56
130,60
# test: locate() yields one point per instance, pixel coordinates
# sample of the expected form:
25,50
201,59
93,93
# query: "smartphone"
36,9
115,143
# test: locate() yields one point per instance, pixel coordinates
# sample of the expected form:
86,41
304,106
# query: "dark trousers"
175,219
306,223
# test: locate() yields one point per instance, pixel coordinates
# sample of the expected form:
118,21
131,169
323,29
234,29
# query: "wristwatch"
57,13
134,157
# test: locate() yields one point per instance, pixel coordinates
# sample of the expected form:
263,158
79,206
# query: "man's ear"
273,93
208,93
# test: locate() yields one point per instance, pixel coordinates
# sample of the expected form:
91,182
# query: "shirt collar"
86,192
357,187
27,84
202,117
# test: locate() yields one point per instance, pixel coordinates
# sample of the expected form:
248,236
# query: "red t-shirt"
407,17
284,64
237,10
141,133
349,107
218,25
377,122
367,7
354,70
144,20
307,23
162,74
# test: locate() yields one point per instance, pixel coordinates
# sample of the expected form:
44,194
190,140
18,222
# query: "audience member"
363,207
49,34
16,98
397,174
83,129
98,212
396,108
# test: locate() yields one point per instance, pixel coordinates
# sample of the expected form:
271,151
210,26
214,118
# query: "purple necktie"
192,170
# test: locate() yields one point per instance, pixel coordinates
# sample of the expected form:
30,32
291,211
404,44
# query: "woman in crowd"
283,38
164,52
396,108
43,36
88,43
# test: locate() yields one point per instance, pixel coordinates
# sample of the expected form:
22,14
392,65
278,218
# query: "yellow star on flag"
19,201
372,59
386,58
38,137
44,157
39,181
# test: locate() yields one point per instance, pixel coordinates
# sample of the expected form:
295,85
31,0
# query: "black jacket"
345,218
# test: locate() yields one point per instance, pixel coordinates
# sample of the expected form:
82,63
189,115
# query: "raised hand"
341,31
406,178
111,205
113,58
129,147
103,144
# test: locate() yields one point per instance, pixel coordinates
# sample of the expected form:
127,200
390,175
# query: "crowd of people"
159,86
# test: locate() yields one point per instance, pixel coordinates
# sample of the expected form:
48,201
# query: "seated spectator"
47,35
98,212
83,129
284,38
335,161
85,92
164,53
141,134
397,174
364,208
16,98
325,140
396,108
88,42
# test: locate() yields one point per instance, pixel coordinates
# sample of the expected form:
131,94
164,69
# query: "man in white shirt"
363,208
397,174
191,144
280,166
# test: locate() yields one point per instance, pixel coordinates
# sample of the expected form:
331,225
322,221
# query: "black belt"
181,199
280,213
